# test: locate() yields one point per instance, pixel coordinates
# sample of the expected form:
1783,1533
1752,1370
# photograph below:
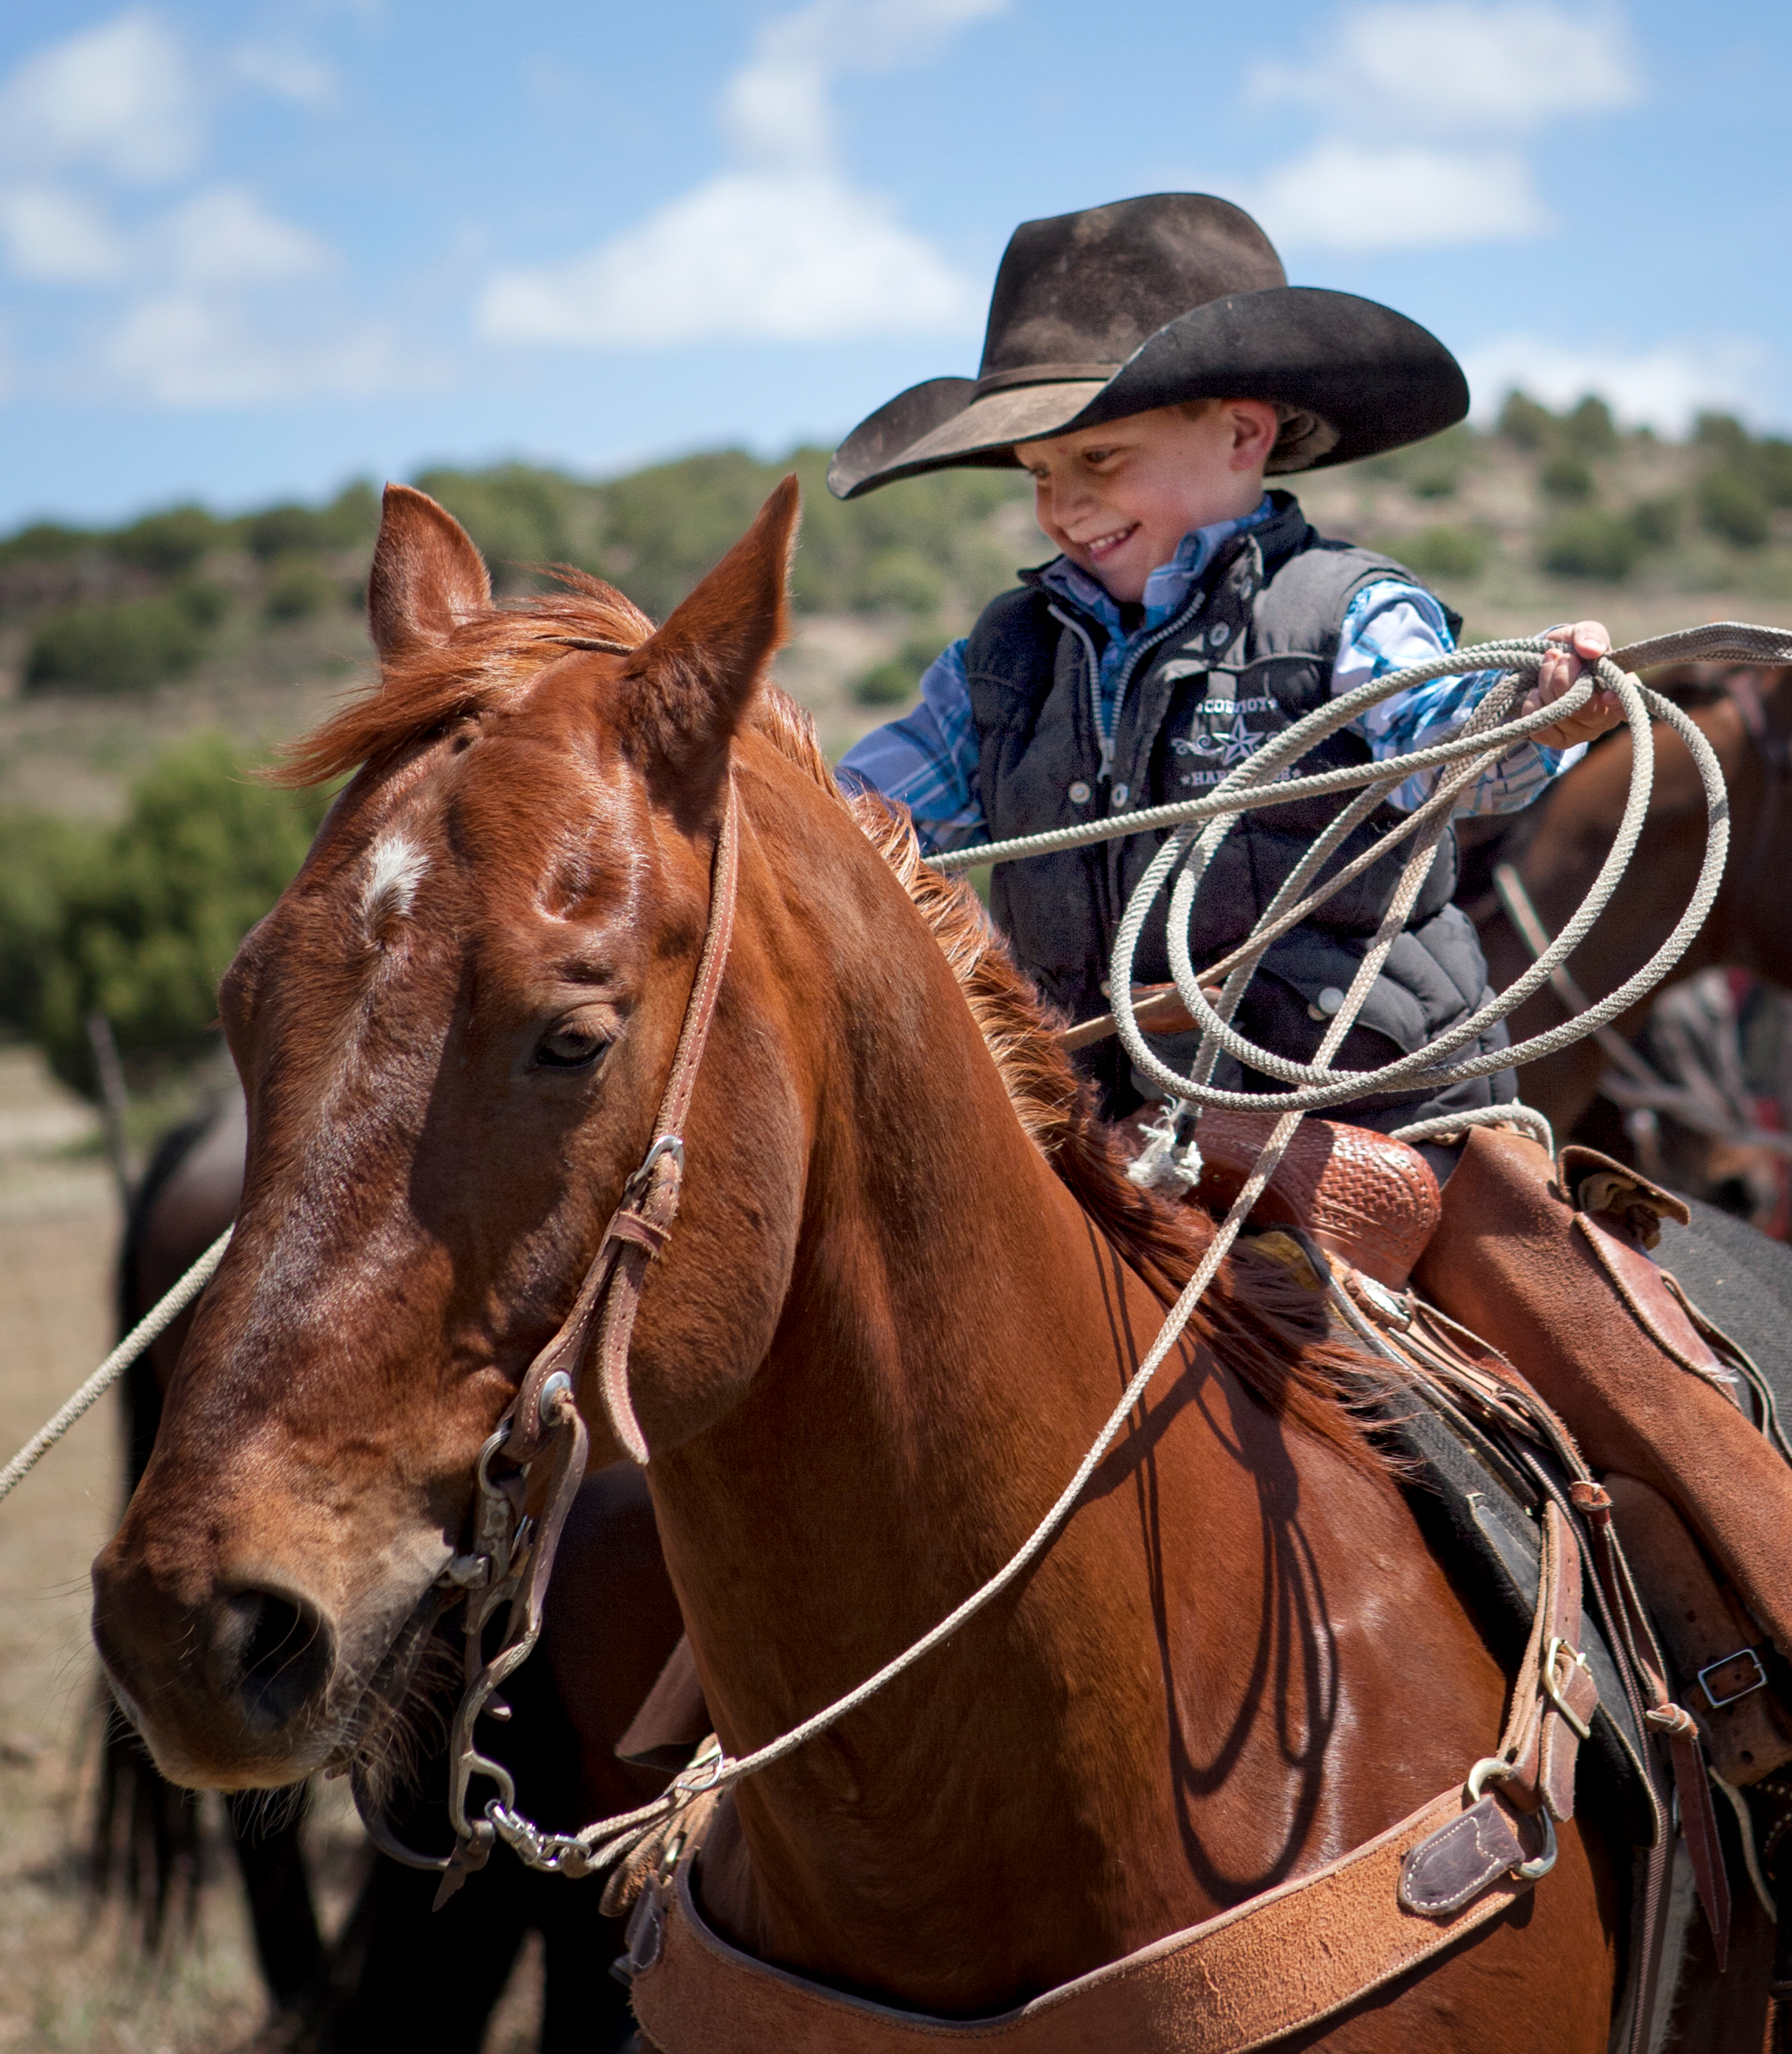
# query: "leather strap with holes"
610,1296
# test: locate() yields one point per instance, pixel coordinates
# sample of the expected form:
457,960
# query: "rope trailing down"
160,1316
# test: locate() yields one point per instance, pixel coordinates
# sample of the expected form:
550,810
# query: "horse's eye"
571,1048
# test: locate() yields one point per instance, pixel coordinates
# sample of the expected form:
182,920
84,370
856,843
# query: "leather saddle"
1551,1268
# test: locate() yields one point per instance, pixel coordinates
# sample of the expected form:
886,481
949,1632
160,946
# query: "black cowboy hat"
1146,303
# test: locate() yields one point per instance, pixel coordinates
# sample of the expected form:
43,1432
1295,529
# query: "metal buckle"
1495,1768
1741,1654
666,1144
1553,1689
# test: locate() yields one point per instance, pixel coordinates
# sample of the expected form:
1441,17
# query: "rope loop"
1198,827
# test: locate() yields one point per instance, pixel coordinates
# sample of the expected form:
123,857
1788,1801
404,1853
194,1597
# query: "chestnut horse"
907,1282
1565,839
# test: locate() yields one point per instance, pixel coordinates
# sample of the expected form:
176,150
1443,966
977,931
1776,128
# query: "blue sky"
250,251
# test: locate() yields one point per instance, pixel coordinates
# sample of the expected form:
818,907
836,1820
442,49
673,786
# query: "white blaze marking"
394,870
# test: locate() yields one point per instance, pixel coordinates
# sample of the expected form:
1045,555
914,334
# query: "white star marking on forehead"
396,866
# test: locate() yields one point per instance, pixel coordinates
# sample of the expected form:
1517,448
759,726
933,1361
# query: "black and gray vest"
1250,652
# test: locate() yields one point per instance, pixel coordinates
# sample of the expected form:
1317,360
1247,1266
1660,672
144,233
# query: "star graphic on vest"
1230,745
1238,741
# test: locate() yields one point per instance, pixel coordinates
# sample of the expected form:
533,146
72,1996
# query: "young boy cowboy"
1149,364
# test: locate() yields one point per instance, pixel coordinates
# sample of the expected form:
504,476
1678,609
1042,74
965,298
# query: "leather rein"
512,1555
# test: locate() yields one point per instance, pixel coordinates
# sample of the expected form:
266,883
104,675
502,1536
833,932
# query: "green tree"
1772,467
352,518
148,913
44,542
1725,437
1442,552
130,646
1567,477
1524,422
1733,506
1656,521
297,586
166,544
1589,429
898,682
38,853
1594,544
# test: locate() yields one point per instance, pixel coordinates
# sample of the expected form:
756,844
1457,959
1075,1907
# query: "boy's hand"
1582,644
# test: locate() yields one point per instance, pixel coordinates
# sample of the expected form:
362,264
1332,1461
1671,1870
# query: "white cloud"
118,99
285,71
1345,195
221,238
794,255
780,246
215,299
1445,64
191,349
1458,83
225,237
775,108
1663,387
58,237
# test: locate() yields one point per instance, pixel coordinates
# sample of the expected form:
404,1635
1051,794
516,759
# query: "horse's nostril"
276,1656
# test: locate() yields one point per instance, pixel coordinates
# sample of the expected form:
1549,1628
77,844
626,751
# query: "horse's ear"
427,574
682,693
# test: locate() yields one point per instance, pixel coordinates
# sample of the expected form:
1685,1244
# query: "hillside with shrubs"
146,669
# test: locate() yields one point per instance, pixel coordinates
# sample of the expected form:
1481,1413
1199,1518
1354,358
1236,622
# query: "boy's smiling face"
1118,499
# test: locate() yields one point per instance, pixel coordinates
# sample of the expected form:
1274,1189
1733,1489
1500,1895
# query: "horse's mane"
490,655
1265,1325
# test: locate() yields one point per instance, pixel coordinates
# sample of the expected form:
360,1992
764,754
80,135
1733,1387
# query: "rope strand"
160,1316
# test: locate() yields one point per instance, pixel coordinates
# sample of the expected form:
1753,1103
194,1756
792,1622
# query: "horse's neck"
953,1335
1148,1725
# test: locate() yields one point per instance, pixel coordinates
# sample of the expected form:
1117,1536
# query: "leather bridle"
511,1557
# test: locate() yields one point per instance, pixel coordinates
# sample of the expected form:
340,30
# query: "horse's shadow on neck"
1292,1673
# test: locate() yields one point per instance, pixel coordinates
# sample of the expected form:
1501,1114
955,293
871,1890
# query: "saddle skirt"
1550,1268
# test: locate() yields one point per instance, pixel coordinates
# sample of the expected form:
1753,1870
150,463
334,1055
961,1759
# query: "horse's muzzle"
230,1689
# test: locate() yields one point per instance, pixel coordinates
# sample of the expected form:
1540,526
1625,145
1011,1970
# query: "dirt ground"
70,1980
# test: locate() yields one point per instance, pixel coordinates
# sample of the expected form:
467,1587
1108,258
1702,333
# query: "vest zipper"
1104,742
1106,731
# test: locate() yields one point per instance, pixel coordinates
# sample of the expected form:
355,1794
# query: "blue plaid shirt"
928,760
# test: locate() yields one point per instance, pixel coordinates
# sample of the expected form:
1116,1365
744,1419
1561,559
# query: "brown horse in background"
1557,848
908,1281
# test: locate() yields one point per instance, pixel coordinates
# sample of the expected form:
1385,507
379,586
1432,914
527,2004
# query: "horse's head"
453,1032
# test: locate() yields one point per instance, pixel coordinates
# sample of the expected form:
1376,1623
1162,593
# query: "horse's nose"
225,1683
271,1653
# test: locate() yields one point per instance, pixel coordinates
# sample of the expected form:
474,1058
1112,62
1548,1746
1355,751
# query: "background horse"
1557,845
397,1970
908,1280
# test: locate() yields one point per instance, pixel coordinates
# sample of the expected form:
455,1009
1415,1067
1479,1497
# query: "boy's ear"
427,577
682,694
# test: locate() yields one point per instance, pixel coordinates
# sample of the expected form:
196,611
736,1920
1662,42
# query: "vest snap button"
1079,793
1121,794
1217,633
1329,1000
